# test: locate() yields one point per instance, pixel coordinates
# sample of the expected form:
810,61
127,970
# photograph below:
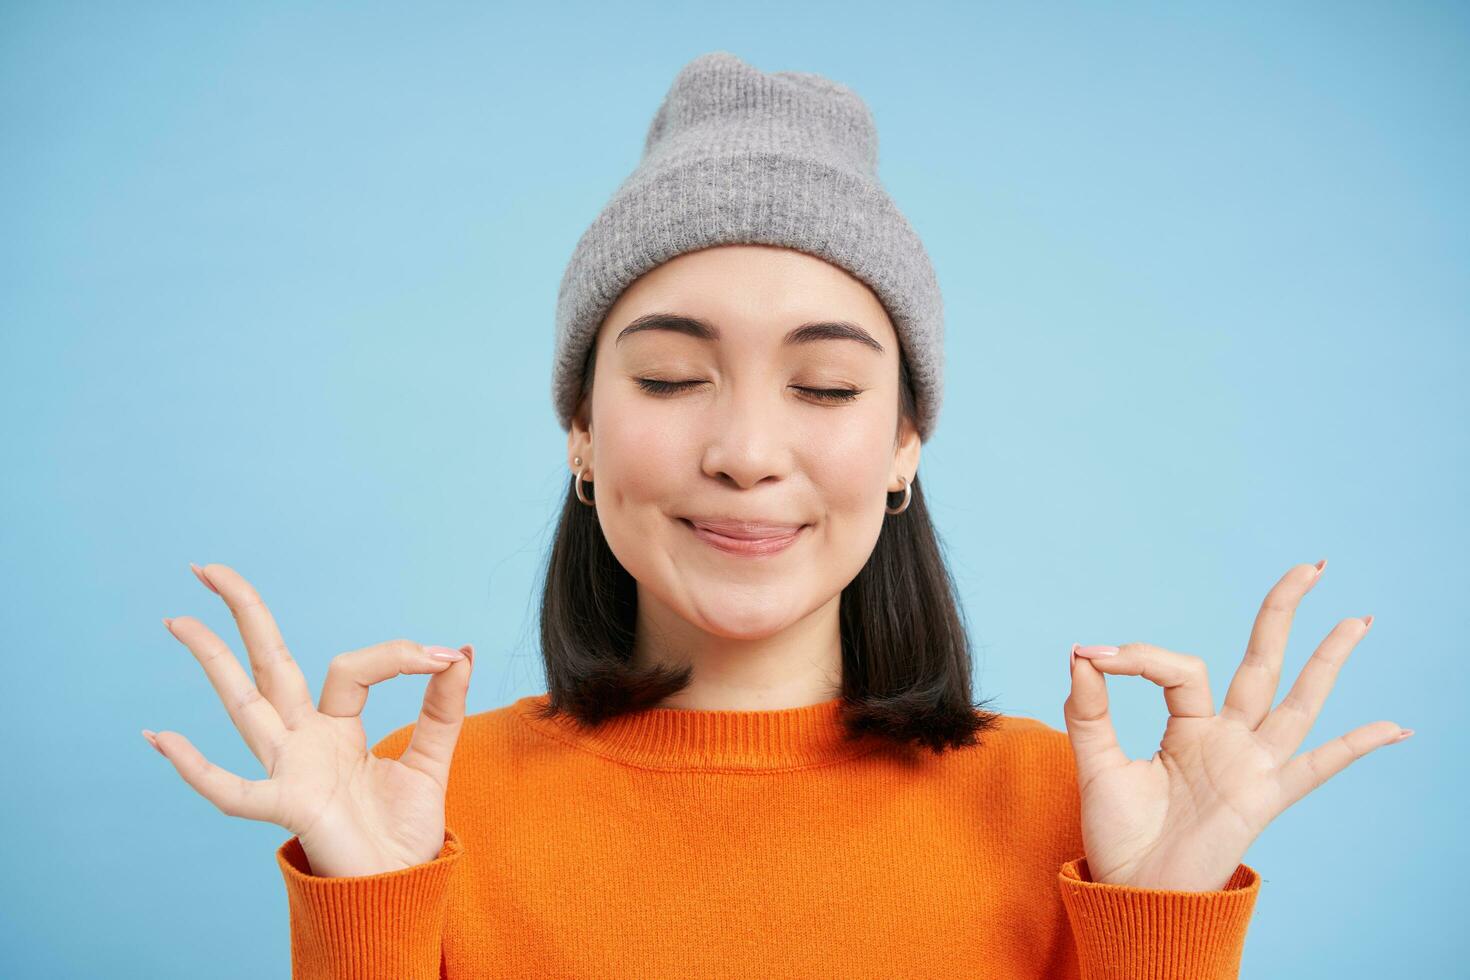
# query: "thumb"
437,731
1089,723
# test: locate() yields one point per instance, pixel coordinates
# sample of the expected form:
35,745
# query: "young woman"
757,754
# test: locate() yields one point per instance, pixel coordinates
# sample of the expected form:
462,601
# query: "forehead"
755,293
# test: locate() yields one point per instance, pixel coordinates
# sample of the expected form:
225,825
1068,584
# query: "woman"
758,754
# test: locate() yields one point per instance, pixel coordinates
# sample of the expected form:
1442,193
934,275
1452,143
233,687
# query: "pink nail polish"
1368,620
152,738
1097,650
444,653
199,574
1404,734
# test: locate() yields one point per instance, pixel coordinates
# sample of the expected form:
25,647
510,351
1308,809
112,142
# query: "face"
743,424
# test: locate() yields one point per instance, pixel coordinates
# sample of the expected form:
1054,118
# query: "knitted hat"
736,155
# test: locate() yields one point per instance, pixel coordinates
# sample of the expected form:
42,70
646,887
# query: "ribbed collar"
681,738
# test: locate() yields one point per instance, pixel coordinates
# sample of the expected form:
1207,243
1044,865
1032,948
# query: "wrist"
1170,880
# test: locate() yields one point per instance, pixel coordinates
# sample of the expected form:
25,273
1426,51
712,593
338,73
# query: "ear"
579,437
906,454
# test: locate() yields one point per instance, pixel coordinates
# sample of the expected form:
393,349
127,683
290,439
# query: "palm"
1184,818
1207,781
335,793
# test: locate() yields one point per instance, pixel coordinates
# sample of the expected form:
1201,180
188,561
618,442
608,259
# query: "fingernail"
152,738
199,574
168,624
444,653
1368,621
469,651
1098,650
1404,734
1321,565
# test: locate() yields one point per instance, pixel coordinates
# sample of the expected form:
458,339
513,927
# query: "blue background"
277,291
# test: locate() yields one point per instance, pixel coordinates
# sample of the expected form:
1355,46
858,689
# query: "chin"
754,620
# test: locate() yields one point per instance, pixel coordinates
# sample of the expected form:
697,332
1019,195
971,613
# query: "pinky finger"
1311,769
234,796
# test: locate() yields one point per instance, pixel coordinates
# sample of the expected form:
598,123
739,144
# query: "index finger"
1183,676
276,672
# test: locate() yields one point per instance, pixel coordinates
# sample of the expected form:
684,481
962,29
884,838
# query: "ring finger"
253,715
1286,727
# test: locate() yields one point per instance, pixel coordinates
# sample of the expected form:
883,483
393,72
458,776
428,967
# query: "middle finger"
276,672
1253,687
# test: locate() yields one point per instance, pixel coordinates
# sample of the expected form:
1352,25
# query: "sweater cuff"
1154,933
381,925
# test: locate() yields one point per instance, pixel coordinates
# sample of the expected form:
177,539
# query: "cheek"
642,470
850,467
850,471
638,463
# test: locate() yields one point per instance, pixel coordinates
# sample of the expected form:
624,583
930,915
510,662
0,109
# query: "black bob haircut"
905,651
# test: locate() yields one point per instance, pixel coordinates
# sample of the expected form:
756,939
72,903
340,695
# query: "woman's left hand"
1184,819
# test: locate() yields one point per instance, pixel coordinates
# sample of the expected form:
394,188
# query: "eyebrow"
704,330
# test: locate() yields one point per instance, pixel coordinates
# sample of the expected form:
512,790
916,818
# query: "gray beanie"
735,155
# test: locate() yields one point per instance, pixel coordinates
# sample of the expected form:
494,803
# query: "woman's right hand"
354,812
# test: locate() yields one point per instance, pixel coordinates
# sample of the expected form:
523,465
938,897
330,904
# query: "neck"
793,667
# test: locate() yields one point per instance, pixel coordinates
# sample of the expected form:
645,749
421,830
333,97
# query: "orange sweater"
678,843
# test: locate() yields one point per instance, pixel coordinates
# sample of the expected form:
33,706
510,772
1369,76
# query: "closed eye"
657,387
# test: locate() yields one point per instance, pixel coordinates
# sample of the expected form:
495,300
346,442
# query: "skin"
746,441
750,439
354,812
1184,819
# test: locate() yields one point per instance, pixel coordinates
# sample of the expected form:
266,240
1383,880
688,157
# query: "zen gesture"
1183,819
355,813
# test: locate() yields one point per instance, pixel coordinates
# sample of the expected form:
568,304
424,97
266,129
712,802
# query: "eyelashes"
656,387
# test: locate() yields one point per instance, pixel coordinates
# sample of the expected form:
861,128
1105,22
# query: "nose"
749,440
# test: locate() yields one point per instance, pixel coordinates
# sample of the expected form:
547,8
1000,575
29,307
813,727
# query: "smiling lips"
748,538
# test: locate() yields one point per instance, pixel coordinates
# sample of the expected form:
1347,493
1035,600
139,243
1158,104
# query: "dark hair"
905,651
